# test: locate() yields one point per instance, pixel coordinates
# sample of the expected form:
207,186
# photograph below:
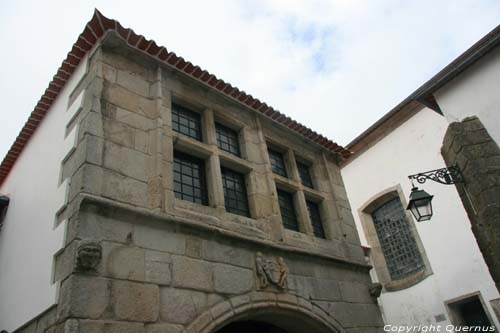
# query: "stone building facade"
168,229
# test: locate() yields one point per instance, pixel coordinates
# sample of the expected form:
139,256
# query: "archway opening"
273,320
251,326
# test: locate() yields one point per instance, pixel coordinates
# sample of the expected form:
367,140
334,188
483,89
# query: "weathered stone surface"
147,236
193,247
355,292
46,320
227,253
127,161
192,273
123,261
470,146
164,328
102,224
84,296
65,262
135,301
232,280
126,99
355,315
158,267
119,133
181,306
125,189
323,289
133,82
100,326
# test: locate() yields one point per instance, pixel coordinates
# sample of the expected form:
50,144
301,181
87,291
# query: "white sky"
335,66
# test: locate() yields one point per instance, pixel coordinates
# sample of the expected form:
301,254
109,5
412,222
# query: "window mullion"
305,224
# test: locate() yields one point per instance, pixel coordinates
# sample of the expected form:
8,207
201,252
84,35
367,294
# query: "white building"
432,272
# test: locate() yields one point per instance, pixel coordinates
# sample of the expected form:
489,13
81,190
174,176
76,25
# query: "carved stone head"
88,256
375,289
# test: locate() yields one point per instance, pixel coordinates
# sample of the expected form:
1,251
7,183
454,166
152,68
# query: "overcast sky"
335,66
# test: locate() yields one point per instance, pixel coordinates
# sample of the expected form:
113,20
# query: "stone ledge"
93,199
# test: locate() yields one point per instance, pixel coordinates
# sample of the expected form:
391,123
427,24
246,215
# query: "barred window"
186,122
287,209
277,163
189,179
305,176
315,217
227,139
235,194
396,240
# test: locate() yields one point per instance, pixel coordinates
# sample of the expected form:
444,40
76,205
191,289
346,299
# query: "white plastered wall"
457,265
30,237
475,92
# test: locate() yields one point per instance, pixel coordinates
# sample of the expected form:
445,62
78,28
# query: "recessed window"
277,162
189,179
235,194
396,240
227,139
315,218
287,209
186,122
305,176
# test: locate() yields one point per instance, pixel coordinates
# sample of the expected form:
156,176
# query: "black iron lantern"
420,204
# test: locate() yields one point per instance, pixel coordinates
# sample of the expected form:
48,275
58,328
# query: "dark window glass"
186,122
315,217
189,179
277,163
235,194
305,176
227,139
396,239
287,209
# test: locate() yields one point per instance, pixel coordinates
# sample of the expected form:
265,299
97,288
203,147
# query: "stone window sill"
407,282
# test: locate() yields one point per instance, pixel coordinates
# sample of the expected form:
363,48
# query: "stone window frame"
235,151
214,159
244,196
288,196
203,196
301,193
316,224
376,254
302,167
279,167
188,115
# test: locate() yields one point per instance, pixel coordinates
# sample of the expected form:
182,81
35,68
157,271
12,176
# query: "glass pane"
396,239
235,196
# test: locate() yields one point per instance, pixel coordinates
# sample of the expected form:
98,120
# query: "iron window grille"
235,194
396,240
287,209
315,217
227,139
189,179
277,163
186,122
305,176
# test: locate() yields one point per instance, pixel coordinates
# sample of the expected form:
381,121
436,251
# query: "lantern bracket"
447,176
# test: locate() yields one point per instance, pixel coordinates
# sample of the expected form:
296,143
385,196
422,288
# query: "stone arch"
376,254
264,306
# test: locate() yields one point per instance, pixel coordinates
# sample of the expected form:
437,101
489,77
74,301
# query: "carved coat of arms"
271,271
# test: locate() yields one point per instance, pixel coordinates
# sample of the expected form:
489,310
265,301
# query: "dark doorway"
250,326
469,312
473,314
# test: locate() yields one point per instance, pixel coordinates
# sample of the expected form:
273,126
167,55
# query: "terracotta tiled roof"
94,30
